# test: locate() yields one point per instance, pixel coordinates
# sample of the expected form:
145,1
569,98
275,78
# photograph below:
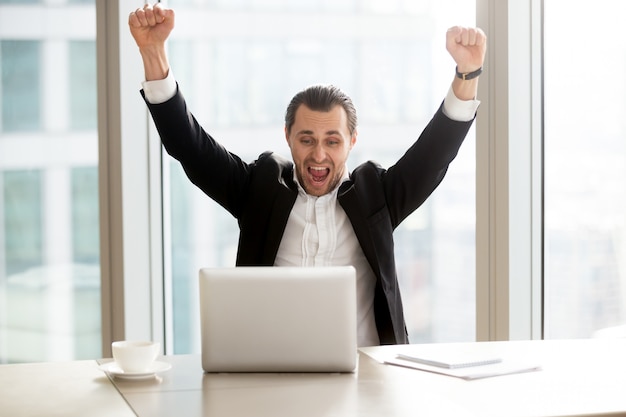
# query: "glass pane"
20,85
397,73
22,220
49,222
82,72
585,167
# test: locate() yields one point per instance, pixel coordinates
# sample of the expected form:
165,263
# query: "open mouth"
319,174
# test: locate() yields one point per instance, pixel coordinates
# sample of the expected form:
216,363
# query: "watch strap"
468,75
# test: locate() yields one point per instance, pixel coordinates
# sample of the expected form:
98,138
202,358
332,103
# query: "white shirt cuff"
459,110
159,91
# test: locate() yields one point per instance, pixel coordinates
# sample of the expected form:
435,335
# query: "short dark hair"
321,98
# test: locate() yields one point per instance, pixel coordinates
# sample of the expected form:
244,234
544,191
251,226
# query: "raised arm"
150,27
467,46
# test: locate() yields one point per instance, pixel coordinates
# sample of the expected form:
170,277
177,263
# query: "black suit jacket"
261,194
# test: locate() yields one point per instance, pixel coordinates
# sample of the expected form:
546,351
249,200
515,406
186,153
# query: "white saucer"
113,369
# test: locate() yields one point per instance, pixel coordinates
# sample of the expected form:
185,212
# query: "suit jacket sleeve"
421,169
219,173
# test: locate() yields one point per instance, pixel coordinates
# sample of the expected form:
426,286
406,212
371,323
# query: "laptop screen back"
278,319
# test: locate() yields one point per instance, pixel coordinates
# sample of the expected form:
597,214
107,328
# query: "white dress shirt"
318,232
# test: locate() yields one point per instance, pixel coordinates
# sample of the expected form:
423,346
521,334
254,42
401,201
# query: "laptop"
278,319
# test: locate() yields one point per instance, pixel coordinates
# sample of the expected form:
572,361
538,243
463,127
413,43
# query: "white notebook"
466,367
452,362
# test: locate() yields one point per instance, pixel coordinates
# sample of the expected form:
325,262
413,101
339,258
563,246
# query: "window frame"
129,182
509,204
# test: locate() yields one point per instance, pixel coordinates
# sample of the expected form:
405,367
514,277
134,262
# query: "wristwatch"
468,75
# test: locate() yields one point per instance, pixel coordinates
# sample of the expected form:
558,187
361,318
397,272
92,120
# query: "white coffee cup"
135,355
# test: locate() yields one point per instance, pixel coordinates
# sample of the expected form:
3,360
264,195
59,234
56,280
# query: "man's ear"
353,139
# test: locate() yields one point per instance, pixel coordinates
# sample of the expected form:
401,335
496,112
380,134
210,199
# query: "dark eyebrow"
310,132
304,132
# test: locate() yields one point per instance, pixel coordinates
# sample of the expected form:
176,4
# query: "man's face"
320,143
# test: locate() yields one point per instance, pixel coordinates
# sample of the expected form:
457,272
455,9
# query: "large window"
239,64
49,223
585,167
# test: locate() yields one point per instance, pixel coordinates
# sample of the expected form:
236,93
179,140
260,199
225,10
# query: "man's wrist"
155,62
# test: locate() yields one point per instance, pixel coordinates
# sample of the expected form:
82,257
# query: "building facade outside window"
49,222
585,167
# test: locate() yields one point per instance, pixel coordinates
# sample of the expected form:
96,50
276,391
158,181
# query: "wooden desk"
580,377
68,389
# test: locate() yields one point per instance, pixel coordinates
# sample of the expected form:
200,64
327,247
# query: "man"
312,211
